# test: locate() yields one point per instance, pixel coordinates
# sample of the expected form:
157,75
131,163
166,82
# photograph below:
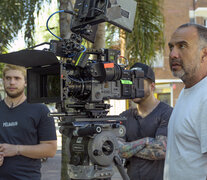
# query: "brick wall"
176,91
175,12
201,3
200,20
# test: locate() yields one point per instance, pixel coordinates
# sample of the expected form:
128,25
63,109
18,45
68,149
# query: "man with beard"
186,157
27,134
146,132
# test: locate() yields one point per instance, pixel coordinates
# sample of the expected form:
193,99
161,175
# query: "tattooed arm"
129,149
146,148
155,149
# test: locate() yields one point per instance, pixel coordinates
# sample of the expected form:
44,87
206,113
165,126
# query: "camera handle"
118,163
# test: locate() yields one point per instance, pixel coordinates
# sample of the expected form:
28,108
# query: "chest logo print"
10,124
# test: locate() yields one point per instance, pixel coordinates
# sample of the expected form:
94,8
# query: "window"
158,61
205,22
164,97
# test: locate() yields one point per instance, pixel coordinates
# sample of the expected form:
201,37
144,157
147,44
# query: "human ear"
153,86
204,54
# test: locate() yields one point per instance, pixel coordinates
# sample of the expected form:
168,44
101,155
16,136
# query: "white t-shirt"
186,157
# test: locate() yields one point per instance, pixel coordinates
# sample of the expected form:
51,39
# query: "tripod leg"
120,167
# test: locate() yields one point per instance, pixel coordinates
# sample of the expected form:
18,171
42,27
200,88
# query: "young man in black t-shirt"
27,134
146,133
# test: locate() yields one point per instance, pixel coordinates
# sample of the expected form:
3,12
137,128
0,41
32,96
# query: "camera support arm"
118,163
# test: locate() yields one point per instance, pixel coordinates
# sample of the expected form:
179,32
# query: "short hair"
8,67
201,30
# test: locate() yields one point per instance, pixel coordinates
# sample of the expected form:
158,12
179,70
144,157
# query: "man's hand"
155,149
1,158
9,149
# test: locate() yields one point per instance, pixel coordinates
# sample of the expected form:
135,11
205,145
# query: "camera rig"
80,86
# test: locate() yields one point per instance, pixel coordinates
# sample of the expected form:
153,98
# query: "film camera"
81,86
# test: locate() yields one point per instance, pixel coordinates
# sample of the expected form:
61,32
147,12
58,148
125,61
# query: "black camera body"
88,82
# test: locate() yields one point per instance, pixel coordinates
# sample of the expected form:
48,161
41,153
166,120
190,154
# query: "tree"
65,34
147,35
14,15
141,44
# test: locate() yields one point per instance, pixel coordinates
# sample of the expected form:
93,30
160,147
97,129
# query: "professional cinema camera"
81,85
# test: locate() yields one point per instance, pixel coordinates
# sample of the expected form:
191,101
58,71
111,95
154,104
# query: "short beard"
185,75
18,94
179,74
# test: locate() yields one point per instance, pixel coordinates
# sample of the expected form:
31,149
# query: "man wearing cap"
146,132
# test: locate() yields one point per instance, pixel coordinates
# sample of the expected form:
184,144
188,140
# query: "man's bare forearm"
128,149
155,149
44,149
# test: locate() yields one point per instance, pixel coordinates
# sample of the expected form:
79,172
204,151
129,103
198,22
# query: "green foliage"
1,67
112,33
147,35
41,33
15,15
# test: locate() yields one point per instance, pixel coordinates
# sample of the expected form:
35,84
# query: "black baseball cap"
148,72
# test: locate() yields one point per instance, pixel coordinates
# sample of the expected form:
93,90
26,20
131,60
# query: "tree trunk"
100,37
122,37
64,161
65,33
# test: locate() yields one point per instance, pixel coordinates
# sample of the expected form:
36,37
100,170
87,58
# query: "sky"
18,43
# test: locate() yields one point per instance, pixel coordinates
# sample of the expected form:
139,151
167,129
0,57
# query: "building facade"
175,12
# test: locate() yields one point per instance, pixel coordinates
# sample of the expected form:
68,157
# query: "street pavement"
51,168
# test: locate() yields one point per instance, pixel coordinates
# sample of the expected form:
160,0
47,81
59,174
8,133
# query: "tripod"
92,157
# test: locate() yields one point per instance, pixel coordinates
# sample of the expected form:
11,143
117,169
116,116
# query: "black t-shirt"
137,127
26,124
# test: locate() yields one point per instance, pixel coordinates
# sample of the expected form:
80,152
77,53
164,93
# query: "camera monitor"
120,13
